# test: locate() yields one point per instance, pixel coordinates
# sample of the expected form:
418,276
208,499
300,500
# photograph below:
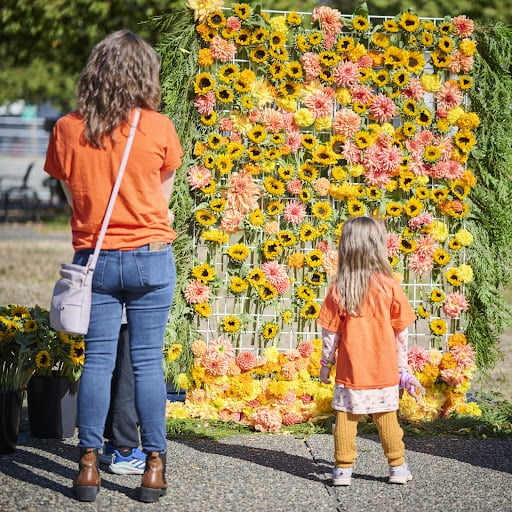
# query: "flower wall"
304,120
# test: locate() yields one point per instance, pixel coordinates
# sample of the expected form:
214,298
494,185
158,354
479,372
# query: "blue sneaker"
107,453
133,464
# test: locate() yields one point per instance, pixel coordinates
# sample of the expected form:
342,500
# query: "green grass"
496,421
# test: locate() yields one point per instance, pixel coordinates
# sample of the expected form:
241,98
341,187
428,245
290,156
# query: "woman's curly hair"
122,72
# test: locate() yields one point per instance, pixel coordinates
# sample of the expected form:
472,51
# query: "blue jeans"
144,281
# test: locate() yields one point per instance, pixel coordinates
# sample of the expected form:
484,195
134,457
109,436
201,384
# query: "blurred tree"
45,43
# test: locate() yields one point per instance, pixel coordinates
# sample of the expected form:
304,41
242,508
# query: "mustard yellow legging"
390,433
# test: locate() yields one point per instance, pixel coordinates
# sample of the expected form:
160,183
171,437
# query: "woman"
136,264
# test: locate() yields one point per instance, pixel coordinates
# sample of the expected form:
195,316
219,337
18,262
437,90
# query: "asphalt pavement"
271,472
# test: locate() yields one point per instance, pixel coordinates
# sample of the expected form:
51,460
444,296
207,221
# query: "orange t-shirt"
367,352
140,211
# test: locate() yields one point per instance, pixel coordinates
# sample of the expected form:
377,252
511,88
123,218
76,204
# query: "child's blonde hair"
362,252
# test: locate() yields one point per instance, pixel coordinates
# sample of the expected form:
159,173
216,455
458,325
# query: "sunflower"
289,89
271,249
255,153
441,257
327,76
209,119
440,59
360,23
438,326
465,140
394,57
380,39
307,172
432,154
356,208
381,77
439,194
391,26
231,324
258,54
322,210
413,207
256,218
421,193
209,189
454,244
277,70
427,38
363,139
242,11
286,238
259,35
414,61
238,252
328,59
228,73
204,272
43,359
205,217
243,37
460,189
267,292
315,38
224,164
410,108
401,78
310,310
465,82
422,312
409,21
257,134
274,186
338,173
373,193
307,232
256,277
204,309
305,293
244,80
237,284
216,20
270,330
207,33
287,316
345,44
437,295
275,208
323,155
294,70
313,258
309,141
445,44
424,117
315,278
204,83
407,245
277,139
302,44
215,236
453,277
294,19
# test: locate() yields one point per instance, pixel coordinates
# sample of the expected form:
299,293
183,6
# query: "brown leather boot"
87,483
153,483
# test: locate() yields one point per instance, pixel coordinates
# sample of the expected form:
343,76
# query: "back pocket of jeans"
155,267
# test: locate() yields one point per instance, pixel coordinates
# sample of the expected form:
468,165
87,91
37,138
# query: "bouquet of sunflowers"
29,345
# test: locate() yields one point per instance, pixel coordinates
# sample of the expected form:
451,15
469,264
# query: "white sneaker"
341,476
399,474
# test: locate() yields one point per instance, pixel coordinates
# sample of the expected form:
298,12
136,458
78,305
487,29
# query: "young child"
364,321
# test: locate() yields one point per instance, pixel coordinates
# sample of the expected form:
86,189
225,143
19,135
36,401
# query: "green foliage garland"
491,220
178,50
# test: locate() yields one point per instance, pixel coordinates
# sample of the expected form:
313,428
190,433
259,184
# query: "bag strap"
91,264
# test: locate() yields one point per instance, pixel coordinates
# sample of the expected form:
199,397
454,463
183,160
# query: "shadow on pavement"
296,465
